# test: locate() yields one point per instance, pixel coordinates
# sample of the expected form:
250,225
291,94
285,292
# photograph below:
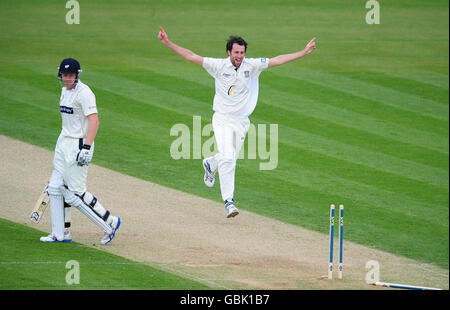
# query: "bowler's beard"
233,62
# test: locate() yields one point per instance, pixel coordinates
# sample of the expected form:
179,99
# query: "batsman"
73,153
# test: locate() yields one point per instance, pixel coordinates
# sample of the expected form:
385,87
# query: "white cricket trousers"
65,162
229,132
65,171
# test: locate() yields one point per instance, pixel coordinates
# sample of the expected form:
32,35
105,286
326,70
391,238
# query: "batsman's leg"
89,207
56,208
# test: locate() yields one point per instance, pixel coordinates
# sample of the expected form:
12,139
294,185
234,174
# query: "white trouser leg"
56,204
230,136
66,150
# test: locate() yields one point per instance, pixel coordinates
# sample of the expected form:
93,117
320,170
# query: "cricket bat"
40,206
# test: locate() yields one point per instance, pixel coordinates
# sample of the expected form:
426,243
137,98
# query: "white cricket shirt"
75,105
236,90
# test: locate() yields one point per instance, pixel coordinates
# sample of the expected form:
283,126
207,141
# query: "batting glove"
84,156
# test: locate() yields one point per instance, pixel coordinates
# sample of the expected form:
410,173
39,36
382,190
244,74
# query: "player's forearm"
92,130
183,52
282,59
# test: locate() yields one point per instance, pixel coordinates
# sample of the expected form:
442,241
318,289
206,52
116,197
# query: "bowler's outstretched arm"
183,52
282,59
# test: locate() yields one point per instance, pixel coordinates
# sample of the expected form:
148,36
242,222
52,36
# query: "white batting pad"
80,204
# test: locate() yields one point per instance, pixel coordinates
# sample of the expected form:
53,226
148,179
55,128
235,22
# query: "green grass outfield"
29,265
362,121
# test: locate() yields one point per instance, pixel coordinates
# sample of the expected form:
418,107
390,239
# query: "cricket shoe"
115,226
52,238
67,236
209,174
231,209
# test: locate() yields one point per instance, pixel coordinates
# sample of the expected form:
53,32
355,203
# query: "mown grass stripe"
150,94
357,155
384,180
430,78
429,84
423,141
403,85
383,95
369,194
28,95
350,102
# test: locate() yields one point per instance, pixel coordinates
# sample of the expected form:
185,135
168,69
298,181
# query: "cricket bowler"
236,94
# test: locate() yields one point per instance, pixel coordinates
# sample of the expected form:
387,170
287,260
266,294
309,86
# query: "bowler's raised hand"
162,36
311,46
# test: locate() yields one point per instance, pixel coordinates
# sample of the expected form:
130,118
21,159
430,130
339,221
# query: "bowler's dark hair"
234,39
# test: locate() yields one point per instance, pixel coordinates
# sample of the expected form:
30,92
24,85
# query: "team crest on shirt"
246,74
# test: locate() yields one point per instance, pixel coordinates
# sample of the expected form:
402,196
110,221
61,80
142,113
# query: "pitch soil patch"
190,236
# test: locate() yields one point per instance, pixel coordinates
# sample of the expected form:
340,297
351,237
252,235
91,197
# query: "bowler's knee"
227,163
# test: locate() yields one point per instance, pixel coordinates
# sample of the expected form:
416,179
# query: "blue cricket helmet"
69,65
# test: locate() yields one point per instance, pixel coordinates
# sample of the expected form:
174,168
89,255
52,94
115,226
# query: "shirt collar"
229,64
